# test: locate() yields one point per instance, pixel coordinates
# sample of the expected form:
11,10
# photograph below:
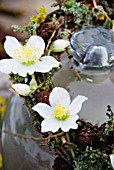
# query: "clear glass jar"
19,153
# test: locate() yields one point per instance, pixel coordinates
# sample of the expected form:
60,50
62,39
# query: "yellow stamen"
26,51
27,55
60,112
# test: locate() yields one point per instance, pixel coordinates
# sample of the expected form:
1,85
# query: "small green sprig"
17,28
17,78
109,124
82,14
106,6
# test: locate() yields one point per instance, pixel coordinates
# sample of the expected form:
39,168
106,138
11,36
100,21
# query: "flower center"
26,52
60,112
27,55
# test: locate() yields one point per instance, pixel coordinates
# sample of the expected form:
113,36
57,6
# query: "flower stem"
72,152
40,85
33,76
48,53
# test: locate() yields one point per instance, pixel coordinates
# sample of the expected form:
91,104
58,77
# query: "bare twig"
94,3
76,72
63,139
31,137
105,14
71,144
50,40
62,151
11,89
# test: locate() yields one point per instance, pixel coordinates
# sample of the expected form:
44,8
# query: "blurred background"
17,12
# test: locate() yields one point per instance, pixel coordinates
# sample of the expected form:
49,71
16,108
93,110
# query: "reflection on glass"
93,49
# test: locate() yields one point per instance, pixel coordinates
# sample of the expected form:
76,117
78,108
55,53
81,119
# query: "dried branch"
71,144
97,7
49,42
11,89
52,36
105,14
31,137
76,72
94,3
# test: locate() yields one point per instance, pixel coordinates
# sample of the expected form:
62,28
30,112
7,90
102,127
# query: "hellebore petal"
59,45
51,124
59,96
76,104
11,44
35,42
44,110
10,65
22,89
112,160
70,123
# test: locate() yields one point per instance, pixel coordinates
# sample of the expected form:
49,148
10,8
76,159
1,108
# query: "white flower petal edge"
12,65
59,96
77,104
11,44
51,124
49,61
22,89
36,42
44,65
44,110
112,160
8,65
59,45
70,123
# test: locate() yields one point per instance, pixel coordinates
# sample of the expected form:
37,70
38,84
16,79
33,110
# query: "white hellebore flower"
112,160
59,45
61,114
22,89
27,58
